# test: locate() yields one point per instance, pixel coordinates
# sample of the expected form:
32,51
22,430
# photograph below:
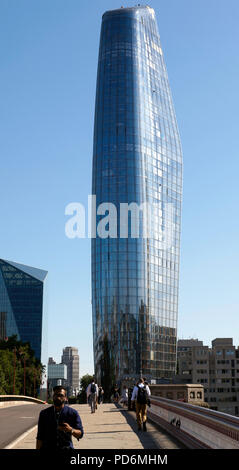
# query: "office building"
21,303
137,161
70,357
56,375
216,368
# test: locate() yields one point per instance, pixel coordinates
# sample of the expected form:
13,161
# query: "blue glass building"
137,158
21,303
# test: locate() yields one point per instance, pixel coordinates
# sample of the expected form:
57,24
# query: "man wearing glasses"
58,423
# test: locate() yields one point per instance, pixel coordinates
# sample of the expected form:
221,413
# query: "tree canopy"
20,370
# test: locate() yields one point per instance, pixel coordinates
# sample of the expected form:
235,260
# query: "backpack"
142,395
92,388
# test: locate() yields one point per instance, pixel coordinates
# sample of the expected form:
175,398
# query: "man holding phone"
58,423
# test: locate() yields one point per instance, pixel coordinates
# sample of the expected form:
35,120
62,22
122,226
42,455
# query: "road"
15,420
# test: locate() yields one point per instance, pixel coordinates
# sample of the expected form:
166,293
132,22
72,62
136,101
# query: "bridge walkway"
110,427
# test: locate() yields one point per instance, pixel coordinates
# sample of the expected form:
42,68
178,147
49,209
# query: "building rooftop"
133,9
189,342
37,273
222,342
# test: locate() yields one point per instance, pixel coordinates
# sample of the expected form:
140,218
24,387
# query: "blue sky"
48,69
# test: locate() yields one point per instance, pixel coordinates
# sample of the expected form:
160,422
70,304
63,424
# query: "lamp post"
24,389
14,370
34,381
23,353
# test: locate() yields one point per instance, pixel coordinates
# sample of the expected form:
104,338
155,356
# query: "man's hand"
65,427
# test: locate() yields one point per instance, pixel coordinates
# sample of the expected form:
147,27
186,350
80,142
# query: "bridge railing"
195,426
16,399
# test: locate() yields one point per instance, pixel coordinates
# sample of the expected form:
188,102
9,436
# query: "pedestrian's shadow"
146,438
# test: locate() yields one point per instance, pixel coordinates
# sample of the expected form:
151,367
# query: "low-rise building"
188,393
216,368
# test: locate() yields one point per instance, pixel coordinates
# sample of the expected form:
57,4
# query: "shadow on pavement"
146,439
150,439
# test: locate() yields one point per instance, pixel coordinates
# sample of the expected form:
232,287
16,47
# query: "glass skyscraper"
21,303
137,158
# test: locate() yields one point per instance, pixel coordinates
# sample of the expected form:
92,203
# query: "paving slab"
110,427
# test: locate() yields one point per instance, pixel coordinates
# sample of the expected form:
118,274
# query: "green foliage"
18,365
3,383
85,381
72,400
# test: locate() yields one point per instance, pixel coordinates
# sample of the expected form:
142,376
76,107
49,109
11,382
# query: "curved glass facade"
137,158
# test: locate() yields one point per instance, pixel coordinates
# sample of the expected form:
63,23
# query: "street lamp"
23,353
14,370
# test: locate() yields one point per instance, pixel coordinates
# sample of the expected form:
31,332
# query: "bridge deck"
111,427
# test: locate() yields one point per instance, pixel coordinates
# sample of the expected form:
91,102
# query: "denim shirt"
48,431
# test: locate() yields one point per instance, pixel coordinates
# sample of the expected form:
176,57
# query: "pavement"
110,427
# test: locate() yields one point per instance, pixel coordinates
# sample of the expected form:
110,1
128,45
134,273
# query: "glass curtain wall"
137,158
21,304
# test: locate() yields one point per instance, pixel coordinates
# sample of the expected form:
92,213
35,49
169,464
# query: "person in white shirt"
124,396
92,394
140,395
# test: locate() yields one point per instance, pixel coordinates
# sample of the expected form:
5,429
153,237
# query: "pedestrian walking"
140,395
92,395
124,396
116,395
131,404
100,395
58,423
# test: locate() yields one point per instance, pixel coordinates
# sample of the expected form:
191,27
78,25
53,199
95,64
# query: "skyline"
46,146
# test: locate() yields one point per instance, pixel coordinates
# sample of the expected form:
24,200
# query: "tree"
3,383
107,378
20,370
